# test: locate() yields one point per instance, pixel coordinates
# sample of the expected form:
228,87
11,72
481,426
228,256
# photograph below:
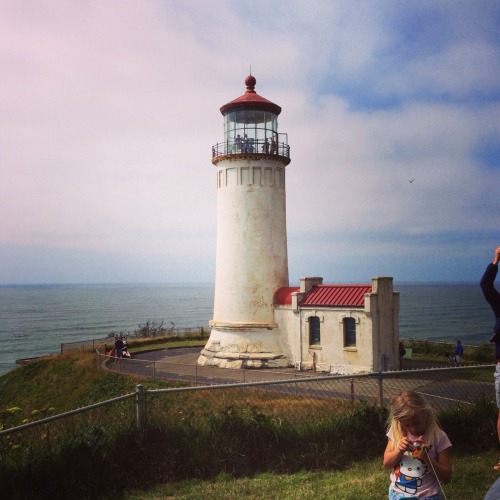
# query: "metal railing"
169,369
93,344
85,345
442,387
172,416
67,414
250,146
194,411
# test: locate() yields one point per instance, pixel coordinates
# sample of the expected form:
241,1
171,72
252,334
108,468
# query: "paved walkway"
181,364
441,388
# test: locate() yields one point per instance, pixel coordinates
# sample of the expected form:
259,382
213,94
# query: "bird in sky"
411,180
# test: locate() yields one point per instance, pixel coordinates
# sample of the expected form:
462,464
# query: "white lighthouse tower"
252,261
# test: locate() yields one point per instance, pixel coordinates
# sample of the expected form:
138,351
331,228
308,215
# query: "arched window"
349,332
314,331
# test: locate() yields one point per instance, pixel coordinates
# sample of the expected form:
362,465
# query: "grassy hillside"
63,383
225,455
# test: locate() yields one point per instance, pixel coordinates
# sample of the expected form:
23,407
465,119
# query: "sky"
109,110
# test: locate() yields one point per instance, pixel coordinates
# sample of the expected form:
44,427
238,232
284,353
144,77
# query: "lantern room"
251,127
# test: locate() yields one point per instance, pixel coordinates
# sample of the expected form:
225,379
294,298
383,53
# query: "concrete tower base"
244,347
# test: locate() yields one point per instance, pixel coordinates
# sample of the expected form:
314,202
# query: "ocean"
36,319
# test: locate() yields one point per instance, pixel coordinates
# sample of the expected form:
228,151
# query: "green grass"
138,346
435,352
66,382
61,383
472,477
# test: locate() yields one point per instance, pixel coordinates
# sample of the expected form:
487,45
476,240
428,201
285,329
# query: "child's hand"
419,446
405,445
420,443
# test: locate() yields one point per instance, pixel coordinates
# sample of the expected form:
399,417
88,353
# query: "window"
250,131
349,332
314,331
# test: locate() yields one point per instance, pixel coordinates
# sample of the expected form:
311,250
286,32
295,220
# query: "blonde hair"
404,406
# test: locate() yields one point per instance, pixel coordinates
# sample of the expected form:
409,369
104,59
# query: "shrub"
471,428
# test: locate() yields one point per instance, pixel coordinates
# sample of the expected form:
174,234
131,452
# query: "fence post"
140,409
380,390
62,348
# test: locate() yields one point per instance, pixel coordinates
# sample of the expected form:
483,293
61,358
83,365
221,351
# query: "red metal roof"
250,99
283,295
336,295
325,295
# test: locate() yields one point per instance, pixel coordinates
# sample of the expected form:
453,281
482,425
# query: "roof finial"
250,70
250,82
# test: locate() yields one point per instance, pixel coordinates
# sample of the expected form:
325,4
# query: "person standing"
402,352
237,143
493,298
418,450
458,353
119,347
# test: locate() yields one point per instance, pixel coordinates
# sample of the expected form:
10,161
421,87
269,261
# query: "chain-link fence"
76,434
188,424
170,368
301,399
294,399
198,431
442,386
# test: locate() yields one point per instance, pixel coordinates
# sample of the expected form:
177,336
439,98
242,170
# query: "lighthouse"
251,254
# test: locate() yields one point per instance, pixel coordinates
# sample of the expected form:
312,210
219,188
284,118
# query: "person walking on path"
493,298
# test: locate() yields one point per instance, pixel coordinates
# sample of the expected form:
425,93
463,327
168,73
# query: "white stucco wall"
377,334
251,262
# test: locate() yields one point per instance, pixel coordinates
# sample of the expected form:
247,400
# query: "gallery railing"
250,146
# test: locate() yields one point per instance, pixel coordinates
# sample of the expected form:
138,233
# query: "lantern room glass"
250,129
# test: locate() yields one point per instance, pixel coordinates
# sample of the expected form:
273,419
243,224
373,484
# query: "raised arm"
496,259
487,284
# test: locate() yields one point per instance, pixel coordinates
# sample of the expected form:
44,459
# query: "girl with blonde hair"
417,451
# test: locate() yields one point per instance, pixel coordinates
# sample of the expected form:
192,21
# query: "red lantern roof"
251,100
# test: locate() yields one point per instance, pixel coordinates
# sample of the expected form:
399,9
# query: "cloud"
108,111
